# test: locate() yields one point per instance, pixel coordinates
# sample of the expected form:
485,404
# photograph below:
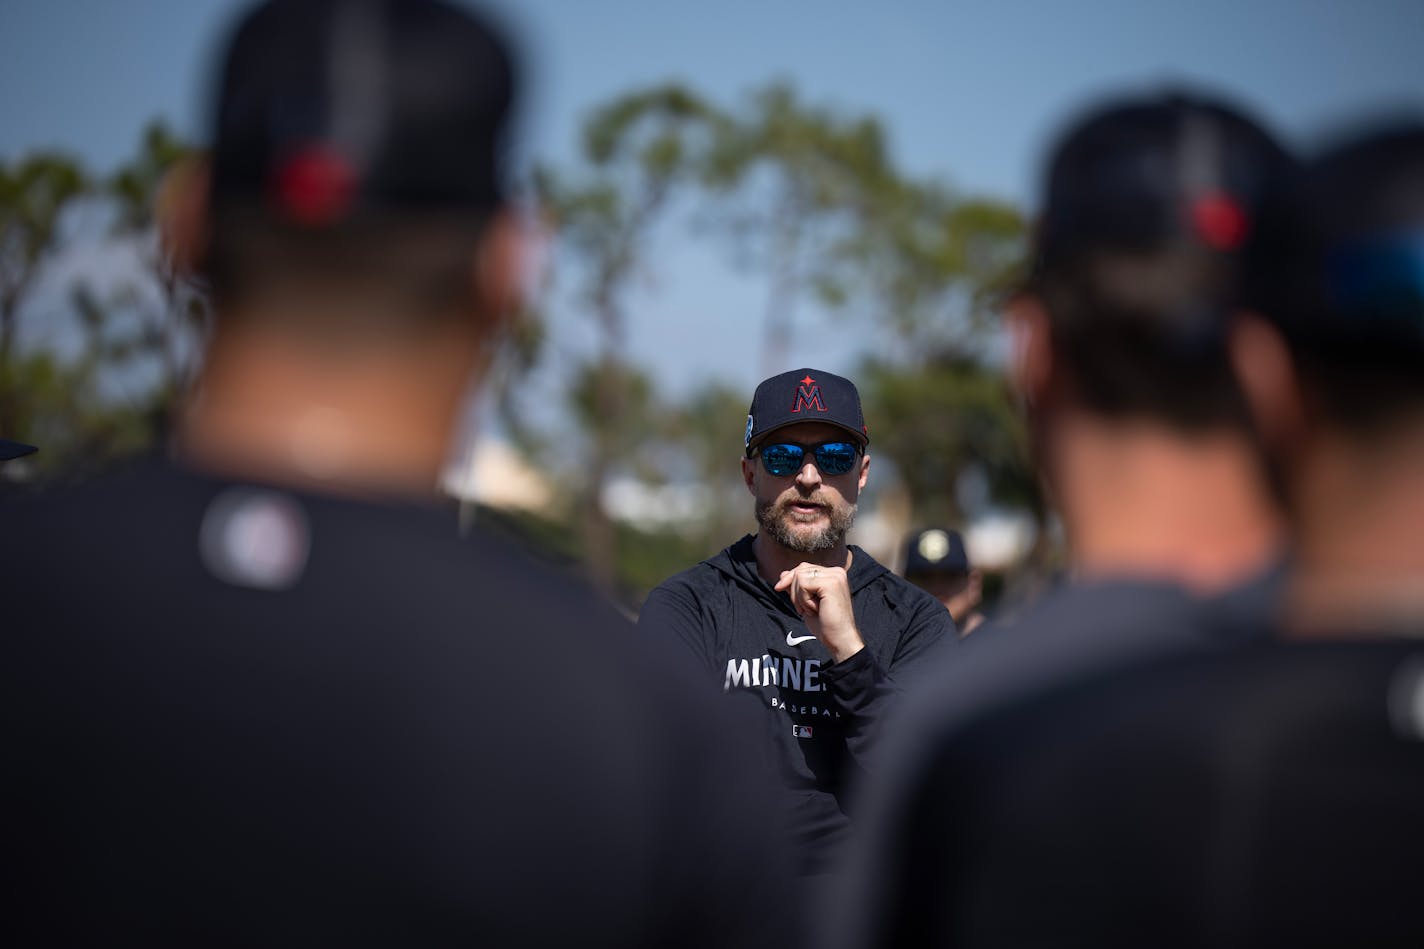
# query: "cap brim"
9,449
761,439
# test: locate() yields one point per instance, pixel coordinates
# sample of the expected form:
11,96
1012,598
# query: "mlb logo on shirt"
801,731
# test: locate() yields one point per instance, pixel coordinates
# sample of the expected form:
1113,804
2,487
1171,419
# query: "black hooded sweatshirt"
821,718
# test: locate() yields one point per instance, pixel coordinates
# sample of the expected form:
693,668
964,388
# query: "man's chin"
806,538
805,532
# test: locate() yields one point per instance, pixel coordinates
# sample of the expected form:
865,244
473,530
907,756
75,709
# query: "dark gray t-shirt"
1077,635
238,714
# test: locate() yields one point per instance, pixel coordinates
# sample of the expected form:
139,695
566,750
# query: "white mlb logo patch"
801,731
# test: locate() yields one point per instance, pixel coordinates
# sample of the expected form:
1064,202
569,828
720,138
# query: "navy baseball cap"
805,395
330,108
9,449
1352,261
935,550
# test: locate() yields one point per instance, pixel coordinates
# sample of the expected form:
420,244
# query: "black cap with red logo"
1141,174
331,108
1150,206
805,395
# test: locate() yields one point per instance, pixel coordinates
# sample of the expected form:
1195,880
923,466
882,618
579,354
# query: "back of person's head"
1349,299
356,150
1149,210
935,551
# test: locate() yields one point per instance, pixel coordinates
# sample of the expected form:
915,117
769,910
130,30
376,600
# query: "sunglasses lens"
782,460
835,458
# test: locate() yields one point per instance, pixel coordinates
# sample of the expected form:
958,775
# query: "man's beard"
776,519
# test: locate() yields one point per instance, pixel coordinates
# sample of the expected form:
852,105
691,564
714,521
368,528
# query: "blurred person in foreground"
937,562
262,693
1267,793
1140,261
1143,256
796,620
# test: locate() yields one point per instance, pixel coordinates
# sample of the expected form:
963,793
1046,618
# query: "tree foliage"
798,185
156,322
808,198
132,345
35,193
941,417
637,151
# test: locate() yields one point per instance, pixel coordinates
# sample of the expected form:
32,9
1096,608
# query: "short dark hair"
422,263
1139,256
1349,294
357,141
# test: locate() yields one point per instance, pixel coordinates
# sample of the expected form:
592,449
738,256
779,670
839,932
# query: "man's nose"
809,474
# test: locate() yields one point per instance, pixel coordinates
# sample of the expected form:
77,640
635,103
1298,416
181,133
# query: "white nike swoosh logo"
796,640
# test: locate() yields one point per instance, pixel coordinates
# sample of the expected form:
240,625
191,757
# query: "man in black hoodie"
814,630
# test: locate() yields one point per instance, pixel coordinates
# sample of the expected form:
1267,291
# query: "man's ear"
498,268
182,214
1030,347
864,471
1267,376
749,474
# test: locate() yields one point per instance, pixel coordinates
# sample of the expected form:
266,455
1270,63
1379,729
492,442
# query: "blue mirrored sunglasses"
833,458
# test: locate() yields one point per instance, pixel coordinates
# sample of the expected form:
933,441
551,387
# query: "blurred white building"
496,475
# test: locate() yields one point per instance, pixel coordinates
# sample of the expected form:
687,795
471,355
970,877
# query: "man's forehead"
808,433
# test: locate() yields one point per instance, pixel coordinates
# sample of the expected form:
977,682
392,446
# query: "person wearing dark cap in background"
263,694
1141,260
937,562
796,620
1264,793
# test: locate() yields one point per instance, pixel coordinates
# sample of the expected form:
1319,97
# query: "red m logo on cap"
808,396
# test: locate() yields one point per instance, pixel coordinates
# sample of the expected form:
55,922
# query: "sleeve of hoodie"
677,610
867,690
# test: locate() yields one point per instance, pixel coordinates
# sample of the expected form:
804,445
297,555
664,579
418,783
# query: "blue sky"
969,92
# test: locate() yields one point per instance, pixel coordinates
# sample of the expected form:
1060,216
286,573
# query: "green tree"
157,321
35,193
637,151
942,416
796,183
709,427
132,346
935,268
